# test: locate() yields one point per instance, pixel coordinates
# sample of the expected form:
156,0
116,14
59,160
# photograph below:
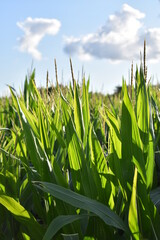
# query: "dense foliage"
77,165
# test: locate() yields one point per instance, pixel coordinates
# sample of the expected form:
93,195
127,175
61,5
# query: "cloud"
121,38
34,31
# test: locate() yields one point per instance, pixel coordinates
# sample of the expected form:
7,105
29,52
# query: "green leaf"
115,149
142,104
133,211
25,236
82,202
155,197
59,222
127,138
75,154
22,216
136,148
150,159
97,155
85,107
43,130
81,175
50,120
78,117
32,120
37,155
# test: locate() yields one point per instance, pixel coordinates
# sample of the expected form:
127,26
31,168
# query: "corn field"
75,167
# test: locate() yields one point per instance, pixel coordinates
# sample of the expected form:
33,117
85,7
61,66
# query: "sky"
102,38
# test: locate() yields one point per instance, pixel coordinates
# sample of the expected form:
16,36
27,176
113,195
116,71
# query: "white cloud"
121,38
34,31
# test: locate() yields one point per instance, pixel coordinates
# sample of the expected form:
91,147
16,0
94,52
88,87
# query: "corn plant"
72,169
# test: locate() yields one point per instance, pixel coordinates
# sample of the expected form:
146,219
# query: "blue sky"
102,38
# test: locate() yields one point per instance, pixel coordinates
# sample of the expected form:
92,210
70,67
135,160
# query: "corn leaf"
78,164
59,222
78,117
23,216
133,211
137,155
85,108
37,154
83,202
